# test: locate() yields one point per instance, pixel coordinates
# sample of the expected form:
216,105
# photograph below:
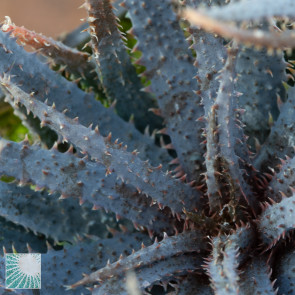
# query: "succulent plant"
195,147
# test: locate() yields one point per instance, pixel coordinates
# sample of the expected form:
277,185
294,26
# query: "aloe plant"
195,147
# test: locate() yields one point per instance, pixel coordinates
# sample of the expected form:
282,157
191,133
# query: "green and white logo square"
23,271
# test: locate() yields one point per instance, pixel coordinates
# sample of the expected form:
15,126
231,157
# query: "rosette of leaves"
216,215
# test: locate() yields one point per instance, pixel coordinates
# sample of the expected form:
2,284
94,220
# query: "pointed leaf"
169,246
211,55
222,267
260,83
151,274
259,38
282,183
281,139
222,120
116,73
277,220
37,78
128,166
61,220
76,61
247,10
169,66
78,178
255,279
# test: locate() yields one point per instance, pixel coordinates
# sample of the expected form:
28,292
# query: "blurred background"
50,17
